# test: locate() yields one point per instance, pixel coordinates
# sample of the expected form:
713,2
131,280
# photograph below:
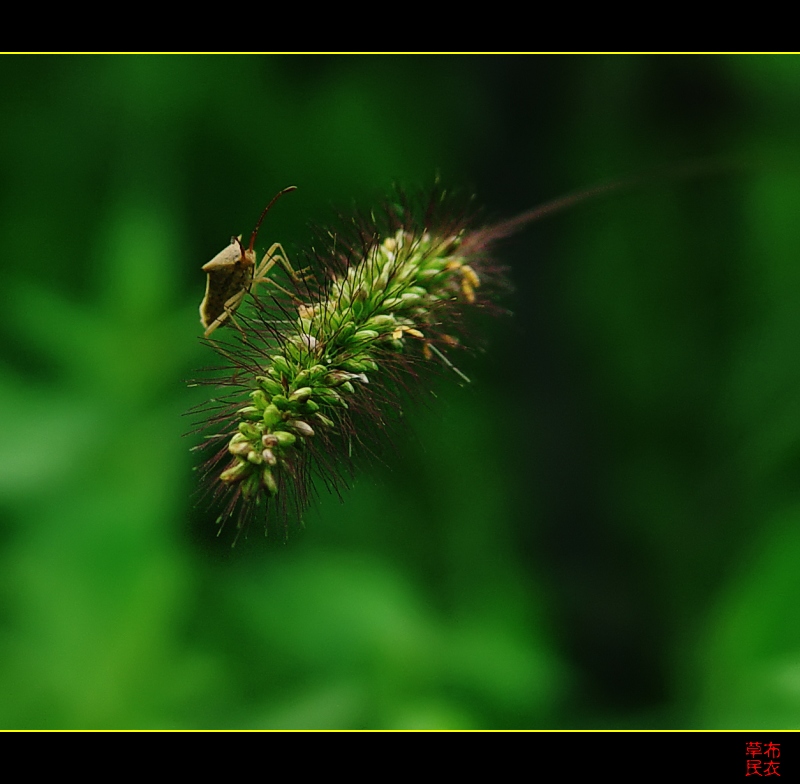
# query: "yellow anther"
470,275
306,311
467,291
398,333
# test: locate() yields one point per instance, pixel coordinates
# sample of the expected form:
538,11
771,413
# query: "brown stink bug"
232,273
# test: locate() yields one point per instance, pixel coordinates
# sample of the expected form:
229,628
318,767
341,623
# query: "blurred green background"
602,531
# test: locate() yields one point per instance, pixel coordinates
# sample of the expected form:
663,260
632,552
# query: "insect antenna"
264,214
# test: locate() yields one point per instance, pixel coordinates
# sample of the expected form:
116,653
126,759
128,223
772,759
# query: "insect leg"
227,313
277,255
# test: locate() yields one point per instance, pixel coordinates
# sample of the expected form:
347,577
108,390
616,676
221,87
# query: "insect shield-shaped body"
233,272
230,276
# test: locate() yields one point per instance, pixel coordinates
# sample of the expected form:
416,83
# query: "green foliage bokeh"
603,530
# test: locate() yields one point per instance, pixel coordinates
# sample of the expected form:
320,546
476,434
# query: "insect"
233,272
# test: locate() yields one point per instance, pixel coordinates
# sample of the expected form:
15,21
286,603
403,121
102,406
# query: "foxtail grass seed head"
317,360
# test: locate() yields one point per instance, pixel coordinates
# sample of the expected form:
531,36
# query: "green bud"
272,415
269,482
382,281
302,394
269,385
346,331
284,439
301,427
250,432
353,365
328,395
235,473
380,321
292,351
250,486
240,448
405,272
281,402
302,378
254,457
259,399
366,334
325,421
250,412
279,363
409,299
334,379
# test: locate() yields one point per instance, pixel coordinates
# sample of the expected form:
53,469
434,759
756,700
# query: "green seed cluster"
395,292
